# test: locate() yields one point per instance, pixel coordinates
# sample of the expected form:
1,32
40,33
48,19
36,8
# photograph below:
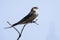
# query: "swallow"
28,18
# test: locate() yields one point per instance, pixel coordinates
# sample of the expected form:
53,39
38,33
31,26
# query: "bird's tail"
12,25
7,27
9,24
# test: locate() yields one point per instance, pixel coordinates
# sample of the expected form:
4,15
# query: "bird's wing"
26,17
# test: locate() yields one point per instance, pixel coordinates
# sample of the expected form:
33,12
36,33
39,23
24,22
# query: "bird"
28,18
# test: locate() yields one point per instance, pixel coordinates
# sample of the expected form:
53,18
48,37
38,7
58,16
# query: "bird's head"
34,8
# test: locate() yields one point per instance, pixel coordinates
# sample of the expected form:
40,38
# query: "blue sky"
48,19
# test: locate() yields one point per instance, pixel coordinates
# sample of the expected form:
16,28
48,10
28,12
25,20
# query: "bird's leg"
35,22
21,32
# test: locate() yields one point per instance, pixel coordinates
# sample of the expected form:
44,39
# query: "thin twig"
13,27
16,30
21,31
23,28
35,22
19,36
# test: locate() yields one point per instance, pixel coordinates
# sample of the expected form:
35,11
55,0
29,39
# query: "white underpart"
35,9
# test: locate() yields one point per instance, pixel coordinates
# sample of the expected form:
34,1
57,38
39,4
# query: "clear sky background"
48,19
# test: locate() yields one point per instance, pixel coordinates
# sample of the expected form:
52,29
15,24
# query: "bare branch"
17,30
21,32
19,36
35,22
13,27
23,28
